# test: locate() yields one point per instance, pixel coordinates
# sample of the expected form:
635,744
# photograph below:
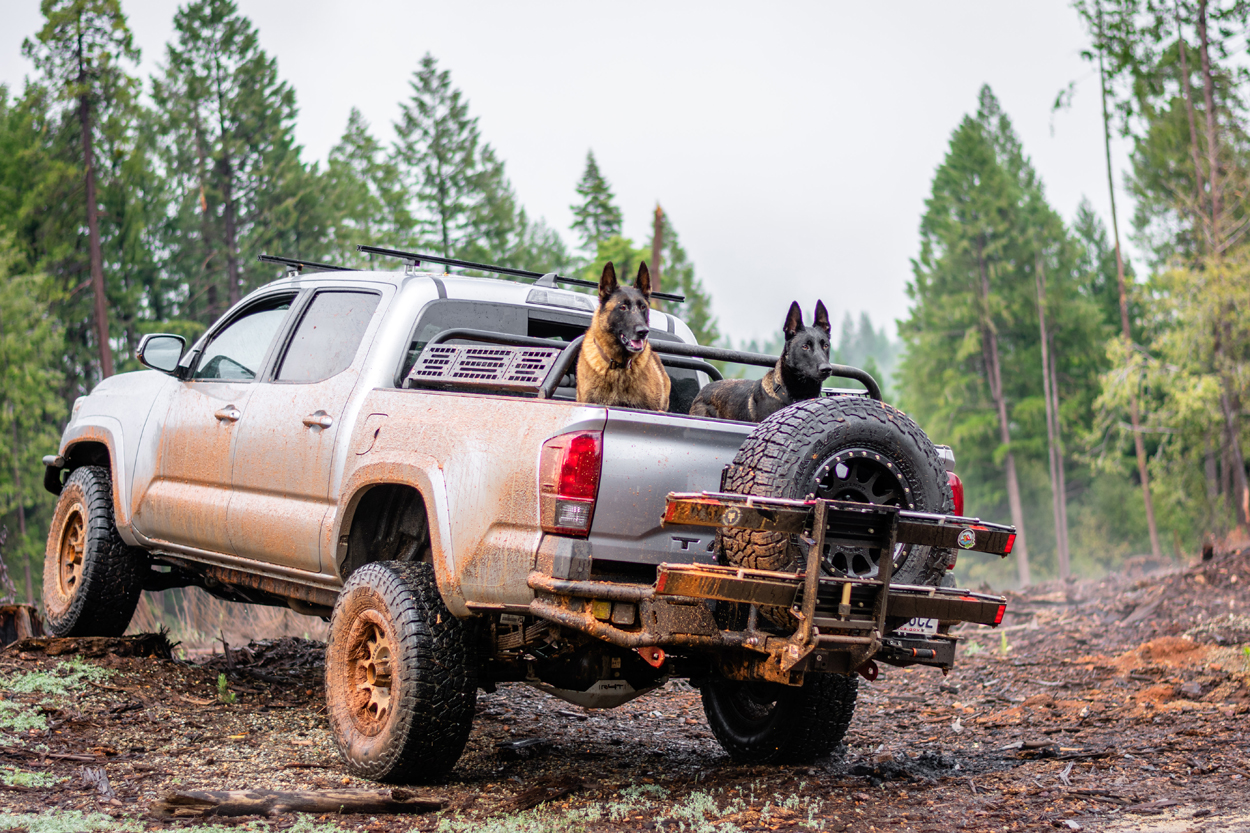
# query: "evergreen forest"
1093,402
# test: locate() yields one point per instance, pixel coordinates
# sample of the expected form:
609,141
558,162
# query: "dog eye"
807,347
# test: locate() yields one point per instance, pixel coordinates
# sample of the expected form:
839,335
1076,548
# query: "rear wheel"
401,675
91,577
769,723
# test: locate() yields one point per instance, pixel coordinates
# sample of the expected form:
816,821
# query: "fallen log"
190,803
141,645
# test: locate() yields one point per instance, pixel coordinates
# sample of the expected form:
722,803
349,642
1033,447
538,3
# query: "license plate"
919,627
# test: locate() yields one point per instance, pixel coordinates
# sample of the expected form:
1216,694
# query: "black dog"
798,374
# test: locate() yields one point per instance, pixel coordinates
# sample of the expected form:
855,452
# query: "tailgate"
646,455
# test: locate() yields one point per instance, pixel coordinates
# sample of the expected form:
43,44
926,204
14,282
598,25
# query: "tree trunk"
1209,469
657,247
20,506
1241,490
230,232
225,168
93,237
1052,440
1063,477
1134,415
1200,196
1208,100
206,231
989,349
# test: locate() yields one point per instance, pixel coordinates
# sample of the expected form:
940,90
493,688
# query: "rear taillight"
957,491
1011,542
568,482
998,617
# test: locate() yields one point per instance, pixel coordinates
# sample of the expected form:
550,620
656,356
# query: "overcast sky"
792,145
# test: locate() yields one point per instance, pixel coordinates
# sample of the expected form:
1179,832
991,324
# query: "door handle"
228,414
318,419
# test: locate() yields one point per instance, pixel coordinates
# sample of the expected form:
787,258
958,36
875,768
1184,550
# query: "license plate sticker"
919,627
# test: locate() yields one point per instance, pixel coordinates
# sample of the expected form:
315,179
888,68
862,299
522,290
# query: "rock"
1191,690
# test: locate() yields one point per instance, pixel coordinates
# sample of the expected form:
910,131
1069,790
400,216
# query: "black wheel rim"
860,475
753,703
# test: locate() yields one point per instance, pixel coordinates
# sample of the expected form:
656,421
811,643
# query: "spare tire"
839,448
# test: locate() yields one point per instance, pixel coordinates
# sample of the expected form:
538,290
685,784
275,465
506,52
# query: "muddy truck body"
402,454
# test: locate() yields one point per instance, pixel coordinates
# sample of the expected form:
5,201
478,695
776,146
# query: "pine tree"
460,195
364,198
596,218
31,409
678,276
1171,72
966,296
80,51
227,122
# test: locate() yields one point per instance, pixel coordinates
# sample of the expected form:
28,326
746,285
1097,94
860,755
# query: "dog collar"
613,364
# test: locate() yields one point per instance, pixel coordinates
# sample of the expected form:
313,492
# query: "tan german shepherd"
617,366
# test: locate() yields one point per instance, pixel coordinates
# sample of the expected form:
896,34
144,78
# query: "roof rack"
295,267
413,260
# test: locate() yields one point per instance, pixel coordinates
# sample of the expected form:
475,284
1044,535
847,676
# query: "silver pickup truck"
401,453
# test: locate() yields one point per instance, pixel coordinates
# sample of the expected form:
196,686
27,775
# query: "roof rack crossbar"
413,258
296,267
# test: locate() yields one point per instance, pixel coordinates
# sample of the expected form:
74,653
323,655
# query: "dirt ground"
1113,706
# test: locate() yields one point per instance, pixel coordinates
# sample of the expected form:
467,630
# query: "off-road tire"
782,455
432,690
804,722
91,577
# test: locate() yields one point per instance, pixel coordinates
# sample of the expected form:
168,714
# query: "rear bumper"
678,613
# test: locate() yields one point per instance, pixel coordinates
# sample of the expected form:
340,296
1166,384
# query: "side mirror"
160,351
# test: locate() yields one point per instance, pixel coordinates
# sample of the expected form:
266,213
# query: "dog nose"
642,332
826,370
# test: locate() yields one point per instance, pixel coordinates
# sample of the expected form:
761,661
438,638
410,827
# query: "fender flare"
424,474
106,431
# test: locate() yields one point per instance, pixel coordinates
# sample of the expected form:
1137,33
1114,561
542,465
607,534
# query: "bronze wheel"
91,579
401,675
73,541
370,653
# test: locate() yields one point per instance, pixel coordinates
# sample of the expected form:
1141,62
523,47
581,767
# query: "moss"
71,675
14,777
17,717
74,821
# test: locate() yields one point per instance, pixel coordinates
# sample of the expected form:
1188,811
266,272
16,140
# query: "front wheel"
770,723
401,675
91,578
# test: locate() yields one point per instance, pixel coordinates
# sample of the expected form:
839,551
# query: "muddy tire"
401,675
843,448
91,578
769,723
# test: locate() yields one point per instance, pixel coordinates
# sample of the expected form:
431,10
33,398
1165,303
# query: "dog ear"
822,317
607,283
643,282
794,321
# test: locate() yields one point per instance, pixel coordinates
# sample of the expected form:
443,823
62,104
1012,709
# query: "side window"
235,353
328,335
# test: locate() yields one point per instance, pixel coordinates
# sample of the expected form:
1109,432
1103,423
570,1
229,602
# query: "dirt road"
1114,705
